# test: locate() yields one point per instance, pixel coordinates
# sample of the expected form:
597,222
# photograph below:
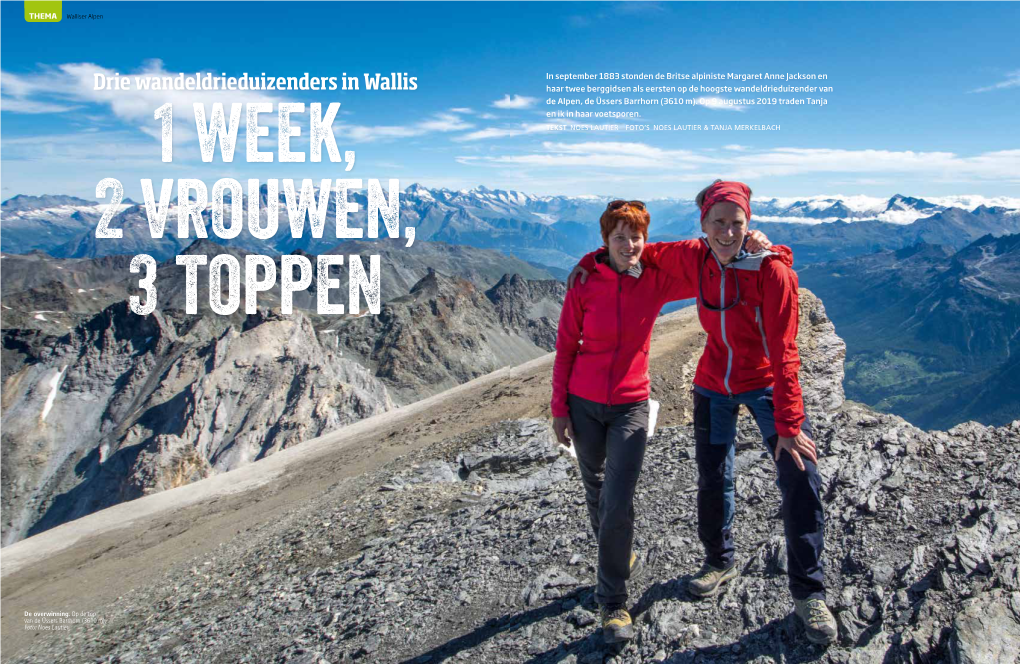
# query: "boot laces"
618,613
818,613
709,573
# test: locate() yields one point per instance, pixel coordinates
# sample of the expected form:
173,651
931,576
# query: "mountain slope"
446,331
345,548
126,405
932,335
67,290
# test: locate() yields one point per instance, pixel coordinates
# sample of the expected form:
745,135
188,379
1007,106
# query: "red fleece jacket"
751,345
604,333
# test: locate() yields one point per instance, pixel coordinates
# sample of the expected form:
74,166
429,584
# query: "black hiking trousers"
610,444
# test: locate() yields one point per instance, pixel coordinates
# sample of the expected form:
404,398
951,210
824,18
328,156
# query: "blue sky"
924,100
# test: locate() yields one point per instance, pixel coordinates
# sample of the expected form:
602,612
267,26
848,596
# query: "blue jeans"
715,433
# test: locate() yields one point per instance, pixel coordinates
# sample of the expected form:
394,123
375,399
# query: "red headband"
734,192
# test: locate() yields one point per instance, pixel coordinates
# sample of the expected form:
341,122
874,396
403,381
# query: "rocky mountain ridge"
474,545
446,332
126,405
59,288
102,406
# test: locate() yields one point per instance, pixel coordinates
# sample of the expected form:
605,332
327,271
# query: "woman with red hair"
747,303
601,388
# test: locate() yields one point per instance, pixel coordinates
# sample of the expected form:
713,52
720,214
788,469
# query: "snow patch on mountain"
51,397
971,202
860,203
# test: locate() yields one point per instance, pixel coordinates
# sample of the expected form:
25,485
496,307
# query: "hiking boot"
819,624
708,581
616,624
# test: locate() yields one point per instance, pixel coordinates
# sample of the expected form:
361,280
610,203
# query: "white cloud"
52,88
720,104
599,153
735,148
15,105
1012,81
611,148
491,132
1003,165
660,164
115,147
614,10
444,122
789,161
74,83
516,130
462,109
439,123
515,102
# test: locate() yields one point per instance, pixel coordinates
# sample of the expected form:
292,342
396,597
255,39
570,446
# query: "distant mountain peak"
27,202
901,202
417,189
204,246
510,280
433,283
923,249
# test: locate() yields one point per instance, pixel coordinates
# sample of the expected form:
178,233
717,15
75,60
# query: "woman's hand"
756,241
564,431
578,271
797,447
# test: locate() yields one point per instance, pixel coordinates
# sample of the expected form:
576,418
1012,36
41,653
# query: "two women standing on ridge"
747,303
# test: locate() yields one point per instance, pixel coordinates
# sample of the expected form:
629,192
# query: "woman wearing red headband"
747,303
600,392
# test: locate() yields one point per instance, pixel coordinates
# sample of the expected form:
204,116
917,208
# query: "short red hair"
631,215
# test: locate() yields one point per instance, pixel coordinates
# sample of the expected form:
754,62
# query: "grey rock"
994,535
821,358
882,573
437,472
667,621
306,657
551,579
580,617
850,629
770,558
893,482
371,644
987,630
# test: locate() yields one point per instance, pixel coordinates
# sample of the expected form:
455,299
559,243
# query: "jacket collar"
603,259
744,260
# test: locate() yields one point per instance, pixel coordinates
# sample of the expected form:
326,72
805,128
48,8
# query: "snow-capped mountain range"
549,230
896,210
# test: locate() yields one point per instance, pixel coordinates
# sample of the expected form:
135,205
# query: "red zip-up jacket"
752,344
604,333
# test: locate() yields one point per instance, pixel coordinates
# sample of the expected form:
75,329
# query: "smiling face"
725,225
625,245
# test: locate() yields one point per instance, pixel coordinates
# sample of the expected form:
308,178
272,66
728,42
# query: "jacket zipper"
616,350
722,325
761,328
